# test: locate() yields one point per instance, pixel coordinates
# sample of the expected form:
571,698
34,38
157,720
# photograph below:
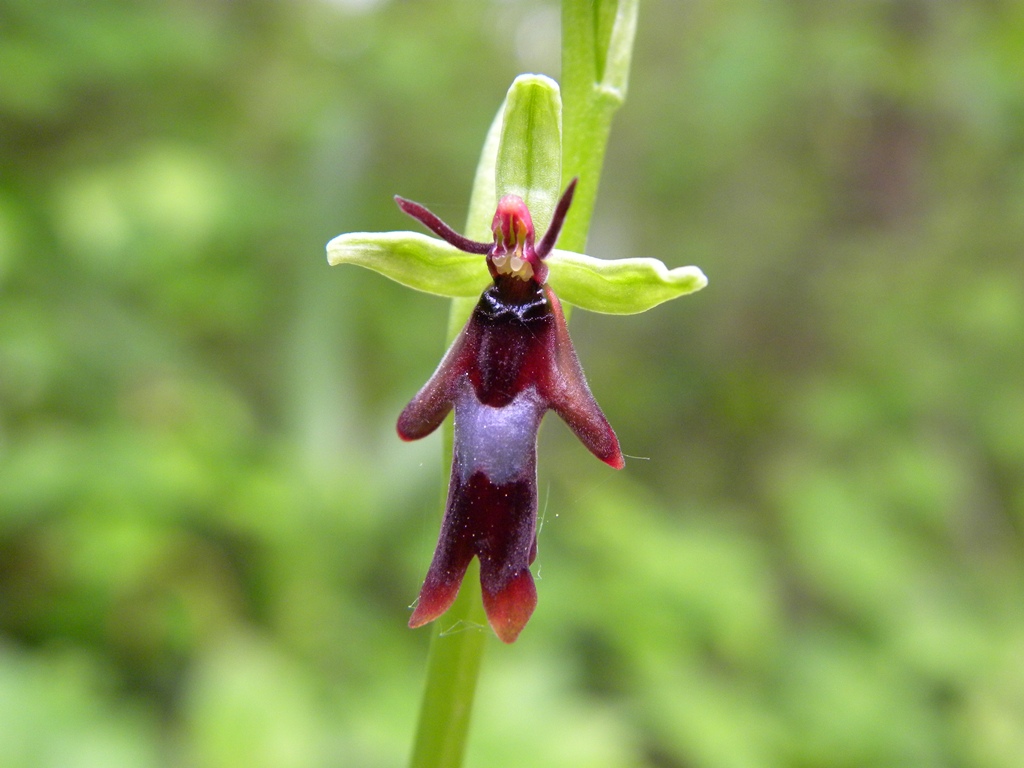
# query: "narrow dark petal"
557,220
432,403
439,228
569,395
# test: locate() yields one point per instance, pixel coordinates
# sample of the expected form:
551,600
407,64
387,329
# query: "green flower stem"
597,41
597,46
453,666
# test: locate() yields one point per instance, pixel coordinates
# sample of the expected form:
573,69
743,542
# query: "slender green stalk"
597,39
597,46
453,667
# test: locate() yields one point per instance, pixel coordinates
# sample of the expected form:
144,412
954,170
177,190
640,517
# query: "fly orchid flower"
512,362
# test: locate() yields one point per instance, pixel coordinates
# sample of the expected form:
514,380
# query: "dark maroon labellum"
512,362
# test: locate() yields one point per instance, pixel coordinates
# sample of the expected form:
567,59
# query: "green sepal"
610,286
414,260
529,159
618,286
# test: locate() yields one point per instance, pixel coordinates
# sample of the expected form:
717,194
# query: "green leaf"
618,286
414,260
529,162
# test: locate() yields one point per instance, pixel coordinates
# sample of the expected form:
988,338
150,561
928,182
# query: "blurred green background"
210,534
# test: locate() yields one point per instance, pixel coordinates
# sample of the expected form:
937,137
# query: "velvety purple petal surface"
512,362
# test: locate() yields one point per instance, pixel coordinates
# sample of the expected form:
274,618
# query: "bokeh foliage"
209,533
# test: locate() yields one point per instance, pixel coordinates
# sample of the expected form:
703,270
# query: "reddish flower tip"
434,600
510,608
